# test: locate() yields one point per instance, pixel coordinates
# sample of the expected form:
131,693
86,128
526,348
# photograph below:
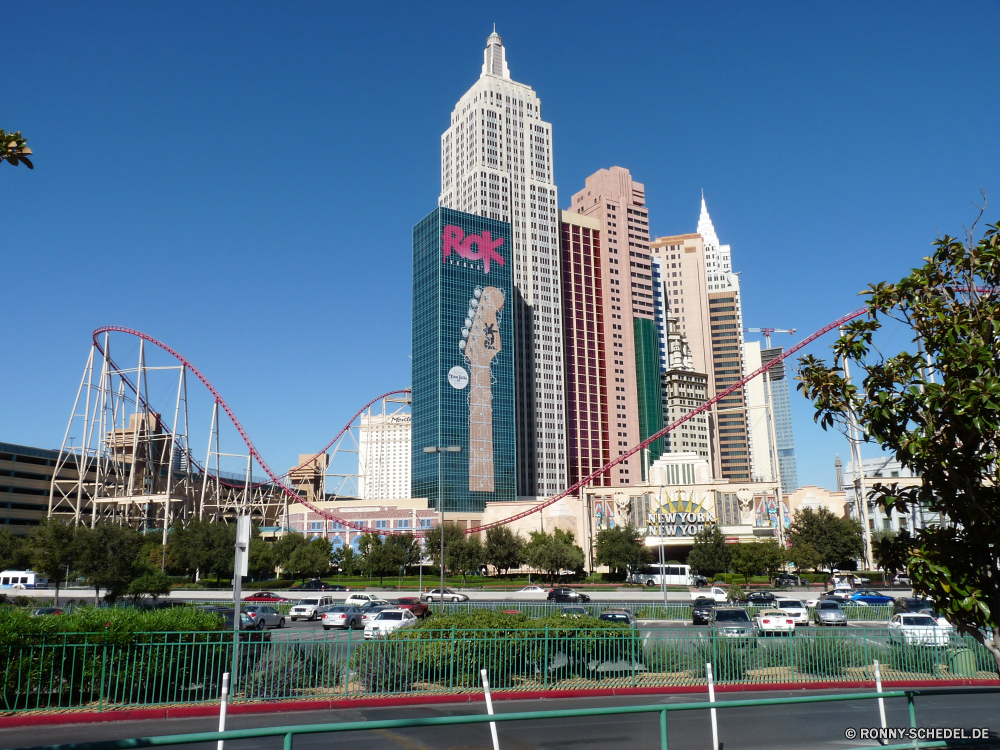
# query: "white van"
357,599
671,575
22,579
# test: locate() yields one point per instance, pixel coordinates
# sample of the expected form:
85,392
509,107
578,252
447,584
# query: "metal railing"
288,733
93,671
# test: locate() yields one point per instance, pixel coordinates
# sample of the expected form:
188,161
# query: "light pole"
441,449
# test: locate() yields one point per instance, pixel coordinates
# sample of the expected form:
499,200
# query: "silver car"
618,615
828,612
264,616
342,616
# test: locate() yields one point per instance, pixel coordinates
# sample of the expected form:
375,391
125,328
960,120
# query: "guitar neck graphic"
483,346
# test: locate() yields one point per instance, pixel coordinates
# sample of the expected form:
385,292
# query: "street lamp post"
441,449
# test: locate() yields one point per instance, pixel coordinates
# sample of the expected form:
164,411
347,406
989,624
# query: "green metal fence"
86,671
288,733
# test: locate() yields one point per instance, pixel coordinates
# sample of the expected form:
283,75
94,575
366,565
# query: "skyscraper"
631,361
463,361
496,162
384,456
782,411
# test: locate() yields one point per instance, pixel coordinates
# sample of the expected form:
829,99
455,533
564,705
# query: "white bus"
22,579
656,574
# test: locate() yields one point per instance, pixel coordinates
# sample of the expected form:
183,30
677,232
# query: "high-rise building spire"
495,56
705,227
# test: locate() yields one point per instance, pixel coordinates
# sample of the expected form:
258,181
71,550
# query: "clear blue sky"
240,180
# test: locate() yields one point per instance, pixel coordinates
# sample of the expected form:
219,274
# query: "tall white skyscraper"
496,161
384,456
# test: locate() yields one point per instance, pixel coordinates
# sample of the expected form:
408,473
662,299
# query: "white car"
717,593
389,620
359,600
773,621
311,608
532,590
794,609
434,595
918,630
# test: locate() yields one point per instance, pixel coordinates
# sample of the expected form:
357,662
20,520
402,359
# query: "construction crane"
767,333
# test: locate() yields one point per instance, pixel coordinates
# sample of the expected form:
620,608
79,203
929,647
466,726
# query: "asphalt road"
817,725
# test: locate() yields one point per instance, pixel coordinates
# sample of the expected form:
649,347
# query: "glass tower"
463,361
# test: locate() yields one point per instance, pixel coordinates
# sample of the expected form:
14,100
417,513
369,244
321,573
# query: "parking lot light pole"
441,449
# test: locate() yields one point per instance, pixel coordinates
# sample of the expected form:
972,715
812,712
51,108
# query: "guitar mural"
481,344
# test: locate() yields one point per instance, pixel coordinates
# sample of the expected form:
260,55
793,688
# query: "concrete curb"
210,709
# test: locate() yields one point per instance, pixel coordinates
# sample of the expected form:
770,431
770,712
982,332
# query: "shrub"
827,656
912,657
385,666
288,669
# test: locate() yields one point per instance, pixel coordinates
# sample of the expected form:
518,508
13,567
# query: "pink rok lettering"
454,239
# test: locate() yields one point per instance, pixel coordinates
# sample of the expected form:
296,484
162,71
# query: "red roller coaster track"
279,479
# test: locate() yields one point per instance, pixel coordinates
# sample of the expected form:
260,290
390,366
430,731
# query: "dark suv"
701,610
567,595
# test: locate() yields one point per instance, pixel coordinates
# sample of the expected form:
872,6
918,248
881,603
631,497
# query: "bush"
911,657
288,669
827,655
736,594
385,666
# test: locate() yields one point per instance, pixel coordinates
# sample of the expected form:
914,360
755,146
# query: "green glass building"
463,361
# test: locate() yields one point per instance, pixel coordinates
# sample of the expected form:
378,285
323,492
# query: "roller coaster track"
279,480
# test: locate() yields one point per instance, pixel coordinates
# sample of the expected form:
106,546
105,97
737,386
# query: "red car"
265,596
412,603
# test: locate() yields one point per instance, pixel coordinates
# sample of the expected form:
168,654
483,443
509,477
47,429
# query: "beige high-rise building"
631,349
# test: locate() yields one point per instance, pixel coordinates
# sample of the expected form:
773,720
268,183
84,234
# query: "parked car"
358,599
732,622
434,595
369,604
761,599
368,614
867,596
246,621
265,597
918,630
773,621
701,610
828,612
389,620
698,580
311,608
901,580
786,579
264,616
532,590
794,609
563,594
342,616
838,598
317,585
717,593
618,615
413,604
573,612
42,611
906,604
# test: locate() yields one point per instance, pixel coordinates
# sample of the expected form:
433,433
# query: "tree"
310,560
14,149
804,555
285,546
347,561
835,539
109,556
710,555
747,559
466,556
892,550
260,558
504,549
772,557
53,550
553,552
937,410
621,549
432,541
13,552
404,549
377,557
148,581
203,547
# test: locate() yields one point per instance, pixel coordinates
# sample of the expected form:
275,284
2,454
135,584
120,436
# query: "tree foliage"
309,560
621,549
835,539
553,552
14,149
710,555
465,556
504,549
13,550
109,558
804,555
945,430
53,550
432,541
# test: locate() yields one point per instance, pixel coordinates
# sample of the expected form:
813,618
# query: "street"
778,726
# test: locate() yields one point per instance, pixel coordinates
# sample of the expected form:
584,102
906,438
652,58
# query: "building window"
403,523
315,526
381,524
425,523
